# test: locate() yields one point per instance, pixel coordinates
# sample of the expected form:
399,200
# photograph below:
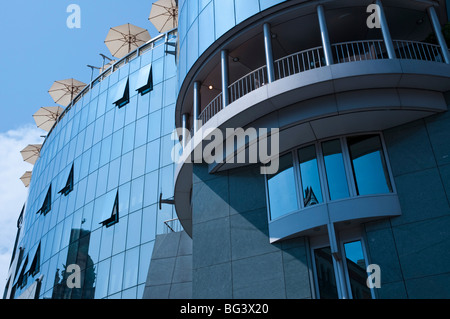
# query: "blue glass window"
335,170
309,171
69,184
122,96
281,189
145,80
369,165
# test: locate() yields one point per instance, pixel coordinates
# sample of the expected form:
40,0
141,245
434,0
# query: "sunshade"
26,178
164,15
64,91
31,153
46,117
123,39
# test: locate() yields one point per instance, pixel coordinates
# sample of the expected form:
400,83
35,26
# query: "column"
385,31
437,31
184,119
268,53
224,64
196,106
324,35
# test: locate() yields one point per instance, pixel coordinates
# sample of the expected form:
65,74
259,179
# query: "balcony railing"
413,50
299,62
315,58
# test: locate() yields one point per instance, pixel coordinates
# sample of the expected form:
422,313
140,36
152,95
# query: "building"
355,106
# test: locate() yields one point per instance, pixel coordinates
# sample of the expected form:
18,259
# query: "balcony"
314,58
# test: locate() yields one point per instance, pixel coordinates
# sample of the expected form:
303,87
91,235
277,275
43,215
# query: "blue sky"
37,48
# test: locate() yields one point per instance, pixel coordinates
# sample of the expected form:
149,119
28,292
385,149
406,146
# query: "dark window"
69,184
35,264
369,165
47,205
326,280
114,217
122,94
145,80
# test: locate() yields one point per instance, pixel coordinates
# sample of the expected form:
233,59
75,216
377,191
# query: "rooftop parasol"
123,39
26,178
64,91
46,117
31,153
164,15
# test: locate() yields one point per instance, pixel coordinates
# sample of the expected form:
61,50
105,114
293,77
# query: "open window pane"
122,94
356,269
309,172
335,170
369,165
47,204
326,280
281,189
110,209
145,80
69,184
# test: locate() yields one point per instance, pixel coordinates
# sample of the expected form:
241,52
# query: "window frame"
343,237
351,182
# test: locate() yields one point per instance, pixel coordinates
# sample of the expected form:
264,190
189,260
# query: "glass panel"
131,268
309,172
369,165
356,269
281,189
116,274
326,280
334,167
101,280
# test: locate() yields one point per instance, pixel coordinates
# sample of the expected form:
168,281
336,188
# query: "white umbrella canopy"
123,39
26,178
164,15
64,91
31,153
46,117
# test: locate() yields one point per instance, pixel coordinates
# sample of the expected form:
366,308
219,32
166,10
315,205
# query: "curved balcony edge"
342,213
412,90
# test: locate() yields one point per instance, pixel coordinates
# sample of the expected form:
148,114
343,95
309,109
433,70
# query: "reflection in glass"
281,189
335,171
356,268
325,273
309,172
369,165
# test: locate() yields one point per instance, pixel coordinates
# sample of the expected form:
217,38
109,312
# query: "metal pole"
324,35
437,30
268,52
385,31
184,127
224,63
196,106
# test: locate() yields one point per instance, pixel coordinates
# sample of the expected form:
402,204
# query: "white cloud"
13,194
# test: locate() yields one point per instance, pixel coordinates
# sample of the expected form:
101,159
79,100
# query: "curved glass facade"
86,205
202,22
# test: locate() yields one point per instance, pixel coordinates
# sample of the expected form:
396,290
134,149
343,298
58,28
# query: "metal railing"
214,107
315,58
172,226
248,83
299,62
413,50
359,51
